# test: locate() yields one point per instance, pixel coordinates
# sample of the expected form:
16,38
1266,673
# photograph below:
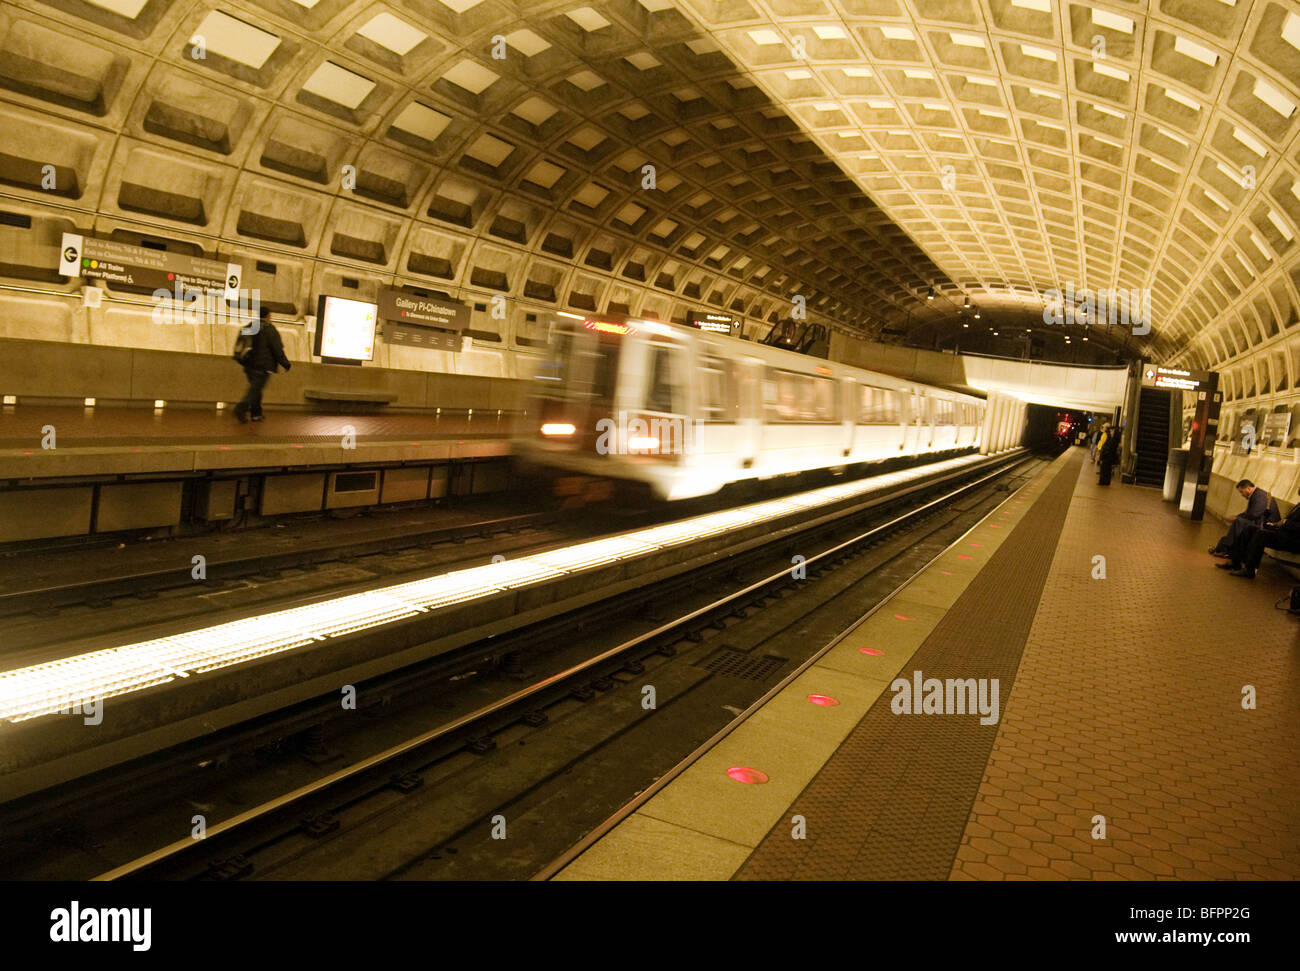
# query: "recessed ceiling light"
1198,52
396,35
1042,53
1110,72
1274,98
1104,18
587,19
333,83
235,40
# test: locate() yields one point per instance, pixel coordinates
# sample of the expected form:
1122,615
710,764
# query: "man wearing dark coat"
266,357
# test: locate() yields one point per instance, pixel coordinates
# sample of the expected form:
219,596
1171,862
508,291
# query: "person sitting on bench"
1248,549
1259,510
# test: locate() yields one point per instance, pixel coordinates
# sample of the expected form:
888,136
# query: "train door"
657,422
848,413
913,414
723,442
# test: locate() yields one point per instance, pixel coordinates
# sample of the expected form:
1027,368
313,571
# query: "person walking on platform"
1107,454
1259,510
1248,549
261,352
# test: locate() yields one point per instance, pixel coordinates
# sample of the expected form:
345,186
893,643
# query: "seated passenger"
1259,509
1248,549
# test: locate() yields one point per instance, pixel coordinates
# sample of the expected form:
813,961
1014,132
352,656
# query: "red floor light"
974,544
750,777
826,701
873,651
901,617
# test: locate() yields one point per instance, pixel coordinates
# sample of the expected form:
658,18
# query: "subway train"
685,411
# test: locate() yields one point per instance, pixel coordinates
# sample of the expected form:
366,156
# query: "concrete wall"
36,370
1094,389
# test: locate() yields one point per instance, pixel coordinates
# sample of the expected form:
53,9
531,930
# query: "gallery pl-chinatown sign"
422,321
135,266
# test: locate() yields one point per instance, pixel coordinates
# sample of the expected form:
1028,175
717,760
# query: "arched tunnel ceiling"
855,152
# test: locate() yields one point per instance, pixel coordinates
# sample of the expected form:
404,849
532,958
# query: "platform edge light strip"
69,684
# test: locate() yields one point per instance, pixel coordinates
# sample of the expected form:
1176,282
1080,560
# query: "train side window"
822,399
661,384
719,390
877,406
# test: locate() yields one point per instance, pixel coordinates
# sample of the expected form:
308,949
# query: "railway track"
490,704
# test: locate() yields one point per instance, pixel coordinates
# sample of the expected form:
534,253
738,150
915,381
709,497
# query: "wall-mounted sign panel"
422,321
345,330
1154,376
714,323
136,266
1277,426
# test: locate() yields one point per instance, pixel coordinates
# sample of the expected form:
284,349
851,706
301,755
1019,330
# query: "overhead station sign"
714,323
422,321
1154,376
124,263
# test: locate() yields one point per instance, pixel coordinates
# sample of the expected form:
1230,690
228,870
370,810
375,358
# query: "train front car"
609,409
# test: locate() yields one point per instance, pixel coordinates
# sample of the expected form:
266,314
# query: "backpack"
243,352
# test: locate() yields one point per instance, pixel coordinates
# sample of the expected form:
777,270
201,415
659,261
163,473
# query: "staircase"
1152,440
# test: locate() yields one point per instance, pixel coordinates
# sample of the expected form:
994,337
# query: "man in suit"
1258,511
1248,549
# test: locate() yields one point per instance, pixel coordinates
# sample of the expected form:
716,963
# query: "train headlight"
557,429
642,443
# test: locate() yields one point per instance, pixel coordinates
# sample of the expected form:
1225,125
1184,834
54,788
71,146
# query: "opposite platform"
135,441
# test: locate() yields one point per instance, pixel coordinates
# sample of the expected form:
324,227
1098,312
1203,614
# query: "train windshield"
584,368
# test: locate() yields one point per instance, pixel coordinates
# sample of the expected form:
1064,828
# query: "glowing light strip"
70,684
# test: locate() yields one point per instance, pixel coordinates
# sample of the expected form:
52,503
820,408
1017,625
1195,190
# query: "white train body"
687,411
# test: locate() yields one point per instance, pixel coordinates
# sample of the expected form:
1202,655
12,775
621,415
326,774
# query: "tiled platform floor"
1126,704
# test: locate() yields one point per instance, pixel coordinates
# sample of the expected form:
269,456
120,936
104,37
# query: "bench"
362,397
1287,561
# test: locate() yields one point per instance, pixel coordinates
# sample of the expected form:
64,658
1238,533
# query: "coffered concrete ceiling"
855,153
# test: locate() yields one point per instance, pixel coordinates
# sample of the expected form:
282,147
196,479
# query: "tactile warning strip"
893,801
704,822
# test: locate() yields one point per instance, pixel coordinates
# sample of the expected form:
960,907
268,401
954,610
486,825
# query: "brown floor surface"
1126,704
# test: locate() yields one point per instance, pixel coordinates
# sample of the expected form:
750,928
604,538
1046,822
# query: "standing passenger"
1108,454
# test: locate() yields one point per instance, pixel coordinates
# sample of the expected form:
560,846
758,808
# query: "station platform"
1147,717
61,442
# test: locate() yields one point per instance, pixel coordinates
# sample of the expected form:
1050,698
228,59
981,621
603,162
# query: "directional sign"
124,263
714,323
1154,376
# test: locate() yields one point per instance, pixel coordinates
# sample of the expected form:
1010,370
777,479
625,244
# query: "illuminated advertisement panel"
345,330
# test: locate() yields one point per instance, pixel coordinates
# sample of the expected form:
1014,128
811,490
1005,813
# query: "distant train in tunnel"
686,411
